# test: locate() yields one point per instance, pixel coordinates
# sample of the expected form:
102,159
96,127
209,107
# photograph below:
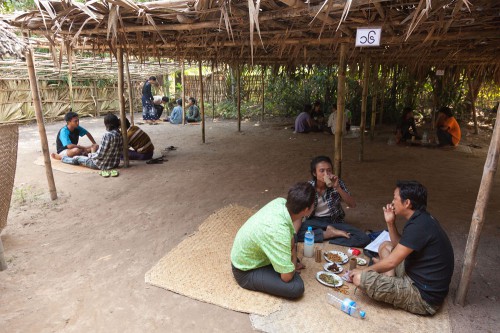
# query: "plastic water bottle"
345,304
309,243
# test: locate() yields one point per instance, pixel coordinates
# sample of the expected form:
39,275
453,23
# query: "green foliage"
9,6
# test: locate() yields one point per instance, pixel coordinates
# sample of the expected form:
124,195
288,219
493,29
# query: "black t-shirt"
430,265
73,137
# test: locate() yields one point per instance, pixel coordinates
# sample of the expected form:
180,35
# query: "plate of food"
337,257
329,279
361,261
333,267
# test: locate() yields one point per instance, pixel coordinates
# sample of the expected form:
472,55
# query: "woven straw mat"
200,267
64,167
8,158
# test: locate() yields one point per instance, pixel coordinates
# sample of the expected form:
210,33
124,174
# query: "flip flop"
104,173
158,160
114,173
171,148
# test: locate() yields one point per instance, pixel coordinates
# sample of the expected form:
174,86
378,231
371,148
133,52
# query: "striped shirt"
139,140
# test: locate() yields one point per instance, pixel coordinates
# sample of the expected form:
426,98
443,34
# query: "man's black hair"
152,78
413,191
179,101
308,108
192,99
318,159
164,98
111,122
447,111
70,115
300,196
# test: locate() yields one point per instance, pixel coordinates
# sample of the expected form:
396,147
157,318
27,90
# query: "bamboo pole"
340,110
183,82
382,94
3,263
474,86
35,94
70,74
121,100
96,98
202,103
364,97
374,102
490,168
239,96
213,92
263,92
130,93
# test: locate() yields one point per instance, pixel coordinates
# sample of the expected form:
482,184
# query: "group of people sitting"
448,131
108,154
152,107
312,119
413,270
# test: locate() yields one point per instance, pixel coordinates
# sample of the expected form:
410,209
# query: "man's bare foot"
332,232
56,156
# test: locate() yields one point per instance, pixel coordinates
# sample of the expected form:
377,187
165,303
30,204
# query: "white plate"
325,267
338,280
361,261
342,255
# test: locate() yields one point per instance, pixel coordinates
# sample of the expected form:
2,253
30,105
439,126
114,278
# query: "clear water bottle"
345,304
309,243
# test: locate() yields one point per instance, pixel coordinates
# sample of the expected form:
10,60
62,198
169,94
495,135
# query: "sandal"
114,173
171,148
104,173
158,160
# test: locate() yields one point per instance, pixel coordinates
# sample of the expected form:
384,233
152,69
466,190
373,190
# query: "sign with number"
368,36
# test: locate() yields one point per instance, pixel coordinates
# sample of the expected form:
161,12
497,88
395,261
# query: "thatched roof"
292,32
10,44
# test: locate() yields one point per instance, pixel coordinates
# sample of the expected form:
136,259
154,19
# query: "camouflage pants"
397,290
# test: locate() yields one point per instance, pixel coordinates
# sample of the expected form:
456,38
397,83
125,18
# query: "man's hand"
355,276
389,214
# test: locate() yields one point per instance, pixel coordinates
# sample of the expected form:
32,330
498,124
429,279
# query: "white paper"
383,237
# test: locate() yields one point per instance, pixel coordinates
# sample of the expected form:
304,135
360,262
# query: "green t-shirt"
265,239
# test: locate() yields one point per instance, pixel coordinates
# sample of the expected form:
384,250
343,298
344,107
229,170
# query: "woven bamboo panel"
8,159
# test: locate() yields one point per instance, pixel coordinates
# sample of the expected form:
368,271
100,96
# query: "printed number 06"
369,38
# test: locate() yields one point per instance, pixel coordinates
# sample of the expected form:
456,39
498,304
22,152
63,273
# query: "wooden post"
474,82
121,100
70,74
202,103
374,101
35,95
95,92
490,168
3,263
213,92
263,92
183,94
364,97
130,93
340,110
239,96
382,94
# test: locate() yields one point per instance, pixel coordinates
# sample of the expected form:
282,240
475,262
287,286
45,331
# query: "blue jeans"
80,160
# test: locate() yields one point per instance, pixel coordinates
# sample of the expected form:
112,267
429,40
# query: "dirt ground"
77,264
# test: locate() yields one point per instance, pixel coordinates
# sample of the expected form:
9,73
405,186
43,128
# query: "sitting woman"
406,128
176,115
327,219
193,114
304,123
448,130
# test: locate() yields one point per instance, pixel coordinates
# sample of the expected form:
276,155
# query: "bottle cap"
309,228
362,314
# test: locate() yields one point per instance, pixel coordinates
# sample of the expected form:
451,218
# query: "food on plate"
333,257
330,279
334,268
361,261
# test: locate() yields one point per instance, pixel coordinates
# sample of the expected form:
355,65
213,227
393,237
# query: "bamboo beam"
239,96
202,103
213,92
35,94
490,168
121,100
183,82
130,91
263,92
364,102
341,93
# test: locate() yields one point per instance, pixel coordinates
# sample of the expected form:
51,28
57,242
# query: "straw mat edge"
200,268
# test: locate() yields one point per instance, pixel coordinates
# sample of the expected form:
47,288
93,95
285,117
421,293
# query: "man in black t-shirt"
415,269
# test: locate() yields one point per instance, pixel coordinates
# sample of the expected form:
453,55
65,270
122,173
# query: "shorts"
63,153
397,290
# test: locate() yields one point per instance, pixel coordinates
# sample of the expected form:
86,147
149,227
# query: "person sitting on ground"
448,130
415,269
332,120
157,103
176,115
108,155
406,128
317,114
304,123
327,219
264,253
139,141
193,114
67,138
148,110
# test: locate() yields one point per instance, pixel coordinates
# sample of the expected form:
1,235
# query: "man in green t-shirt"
264,256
